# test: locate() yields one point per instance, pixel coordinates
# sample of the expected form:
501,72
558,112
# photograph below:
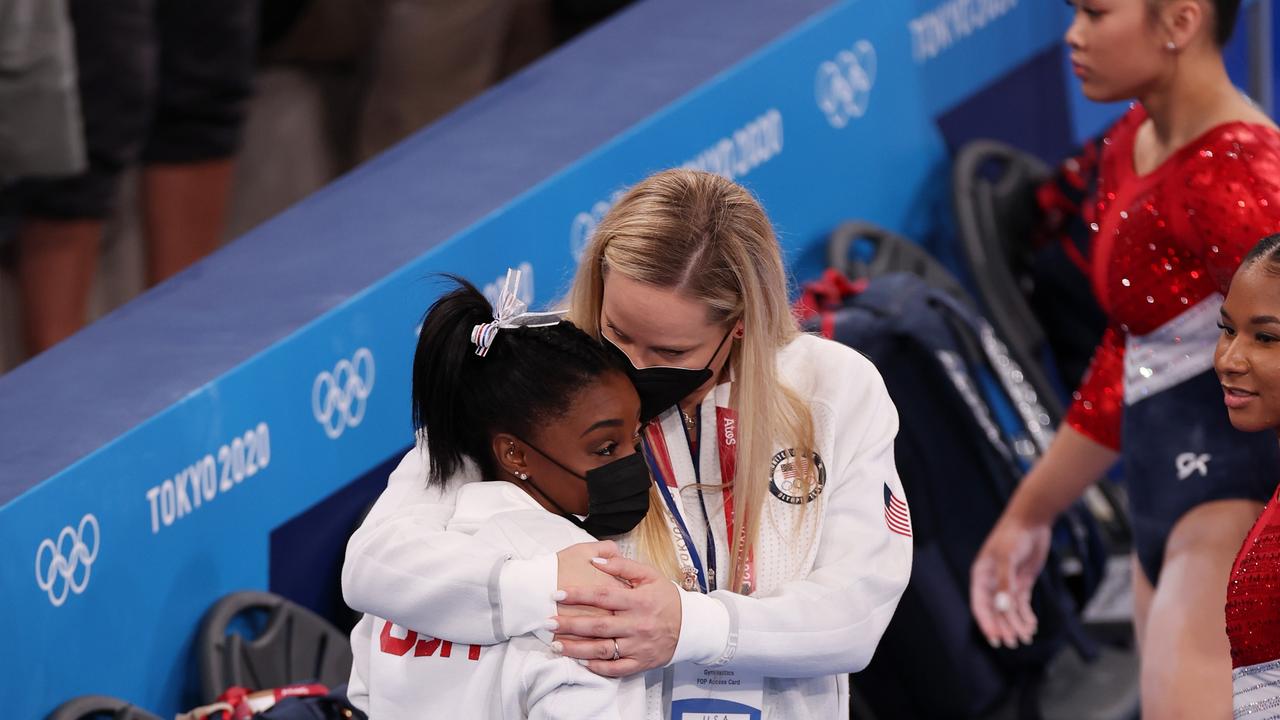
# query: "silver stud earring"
1171,46
520,475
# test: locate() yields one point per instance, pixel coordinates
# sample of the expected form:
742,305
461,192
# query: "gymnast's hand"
639,611
1002,577
575,569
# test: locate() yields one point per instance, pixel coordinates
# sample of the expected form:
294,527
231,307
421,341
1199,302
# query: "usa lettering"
393,643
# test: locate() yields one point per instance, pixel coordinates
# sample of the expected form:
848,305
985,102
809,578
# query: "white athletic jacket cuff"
524,594
704,629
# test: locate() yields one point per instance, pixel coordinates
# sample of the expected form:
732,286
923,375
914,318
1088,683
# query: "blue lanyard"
712,577
675,514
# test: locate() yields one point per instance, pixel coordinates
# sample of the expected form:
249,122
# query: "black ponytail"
460,400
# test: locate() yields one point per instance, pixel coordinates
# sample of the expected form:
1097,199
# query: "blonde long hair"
708,238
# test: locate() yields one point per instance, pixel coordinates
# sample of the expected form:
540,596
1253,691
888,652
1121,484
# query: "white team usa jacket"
401,673
826,585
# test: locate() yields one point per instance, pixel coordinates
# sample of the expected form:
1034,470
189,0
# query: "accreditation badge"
709,692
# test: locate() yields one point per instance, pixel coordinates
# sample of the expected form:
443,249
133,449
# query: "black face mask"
617,495
661,387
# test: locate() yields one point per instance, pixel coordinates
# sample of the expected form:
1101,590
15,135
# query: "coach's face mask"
662,386
617,495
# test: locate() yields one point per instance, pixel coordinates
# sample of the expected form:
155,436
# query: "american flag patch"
896,516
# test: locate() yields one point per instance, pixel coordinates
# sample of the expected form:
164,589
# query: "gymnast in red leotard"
1247,362
1188,180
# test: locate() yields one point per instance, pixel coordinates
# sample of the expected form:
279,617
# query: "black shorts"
161,81
1181,451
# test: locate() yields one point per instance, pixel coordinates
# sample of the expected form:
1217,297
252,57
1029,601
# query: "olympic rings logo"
63,567
843,86
338,398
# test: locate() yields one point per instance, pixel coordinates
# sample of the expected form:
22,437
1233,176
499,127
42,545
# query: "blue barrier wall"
145,462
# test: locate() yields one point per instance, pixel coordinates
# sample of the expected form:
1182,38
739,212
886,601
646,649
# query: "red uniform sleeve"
1096,409
1098,402
1232,201
1065,208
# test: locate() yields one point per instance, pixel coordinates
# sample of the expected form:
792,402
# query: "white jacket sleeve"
404,566
831,621
554,687
558,688
358,683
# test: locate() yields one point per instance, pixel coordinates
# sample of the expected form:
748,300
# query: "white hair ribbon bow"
510,312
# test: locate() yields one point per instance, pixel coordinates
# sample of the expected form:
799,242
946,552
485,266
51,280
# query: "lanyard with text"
659,460
668,432
702,692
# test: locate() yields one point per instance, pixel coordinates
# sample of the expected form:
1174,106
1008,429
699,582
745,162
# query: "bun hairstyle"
1266,251
529,376
1224,20
1225,13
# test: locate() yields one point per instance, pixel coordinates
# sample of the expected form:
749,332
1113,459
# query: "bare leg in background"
56,263
185,209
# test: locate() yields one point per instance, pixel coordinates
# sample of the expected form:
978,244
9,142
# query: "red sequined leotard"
1164,248
1253,618
1164,243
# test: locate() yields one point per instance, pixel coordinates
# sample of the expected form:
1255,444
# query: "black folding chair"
993,186
92,707
295,645
862,249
